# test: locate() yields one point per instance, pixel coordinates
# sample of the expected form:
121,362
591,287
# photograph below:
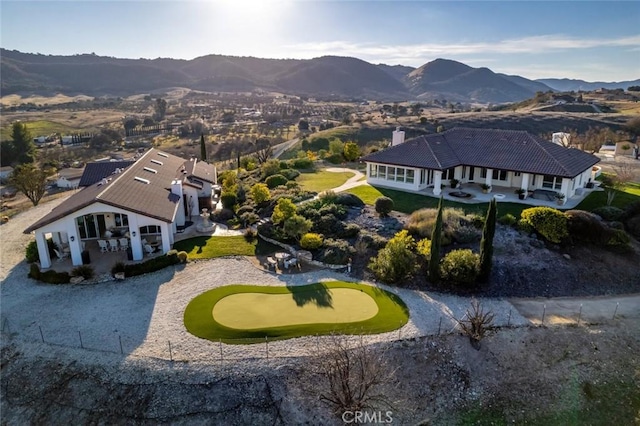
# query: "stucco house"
503,158
69,178
152,198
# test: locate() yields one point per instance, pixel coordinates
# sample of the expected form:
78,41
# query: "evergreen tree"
486,245
436,242
203,148
23,147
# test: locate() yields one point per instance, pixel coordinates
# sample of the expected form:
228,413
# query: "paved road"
279,149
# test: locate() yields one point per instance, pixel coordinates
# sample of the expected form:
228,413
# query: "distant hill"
396,71
568,85
98,75
456,81
327,76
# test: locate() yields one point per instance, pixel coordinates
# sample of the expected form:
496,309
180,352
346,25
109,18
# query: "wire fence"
265,347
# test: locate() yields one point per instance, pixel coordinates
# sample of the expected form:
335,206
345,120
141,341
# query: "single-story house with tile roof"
98,170
153,198
506,158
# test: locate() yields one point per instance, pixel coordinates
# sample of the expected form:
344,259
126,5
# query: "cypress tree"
486,244
203,148
436,242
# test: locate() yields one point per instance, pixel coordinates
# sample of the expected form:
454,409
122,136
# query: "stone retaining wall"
301,254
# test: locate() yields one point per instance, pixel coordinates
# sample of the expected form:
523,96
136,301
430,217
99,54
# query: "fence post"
80,336
616,311
439,325
580,314
220,345
120,340
544,311
170,353
266,342
41,335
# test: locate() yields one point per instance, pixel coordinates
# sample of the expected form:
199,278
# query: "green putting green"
248,313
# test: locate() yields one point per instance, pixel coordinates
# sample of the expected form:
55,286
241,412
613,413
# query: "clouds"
414,54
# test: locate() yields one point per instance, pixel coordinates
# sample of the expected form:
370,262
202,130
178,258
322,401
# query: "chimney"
398,137
176,188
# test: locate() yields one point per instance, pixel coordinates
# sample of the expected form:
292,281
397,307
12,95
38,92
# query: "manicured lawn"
210,247
322,180
622,199
407,203
287,312
39,128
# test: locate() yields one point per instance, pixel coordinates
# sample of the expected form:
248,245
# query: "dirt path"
568,310
351,182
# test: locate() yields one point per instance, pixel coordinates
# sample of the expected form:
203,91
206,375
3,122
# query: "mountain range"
327,76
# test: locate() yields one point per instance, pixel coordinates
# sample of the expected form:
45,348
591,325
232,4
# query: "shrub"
34,272
296,226
183,256
172,252
351,200
508,220
290,174
245,209
302,164
228,200
117,267
292,185
547,222
460,267
632,209
384,206
328,197
424,248
586,227
151,265
275,180
328,225
269,168
374,241
53,277
250,234
465,234
334,158
260,193
337,252
222,215
396,261
633,226
311,241
619,239
249,218
351,230
84,271
31,252
335,210
284,210
609,213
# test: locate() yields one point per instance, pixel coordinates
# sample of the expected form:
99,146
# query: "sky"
588,40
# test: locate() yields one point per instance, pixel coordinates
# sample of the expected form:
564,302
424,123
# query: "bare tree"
264,151
31,181
476,323
350,376
624,173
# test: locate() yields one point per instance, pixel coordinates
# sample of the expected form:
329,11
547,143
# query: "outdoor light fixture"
72,238
133,233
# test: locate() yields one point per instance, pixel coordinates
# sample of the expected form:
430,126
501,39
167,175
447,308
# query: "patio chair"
149,249
271,263
113,244
61,255
288,263
103,246
124,244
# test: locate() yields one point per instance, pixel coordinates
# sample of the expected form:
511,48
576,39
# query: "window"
121,219
448,174
517,174
87,226
423,177
150,230
483,173
373,170
391,173
400,174
382,172
499,174
551,182
409,176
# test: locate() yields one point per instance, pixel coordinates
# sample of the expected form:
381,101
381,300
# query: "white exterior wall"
67,225
63,182
192,200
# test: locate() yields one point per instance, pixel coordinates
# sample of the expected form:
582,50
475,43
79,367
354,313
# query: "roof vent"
162,154
157,162
143,180
149,169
